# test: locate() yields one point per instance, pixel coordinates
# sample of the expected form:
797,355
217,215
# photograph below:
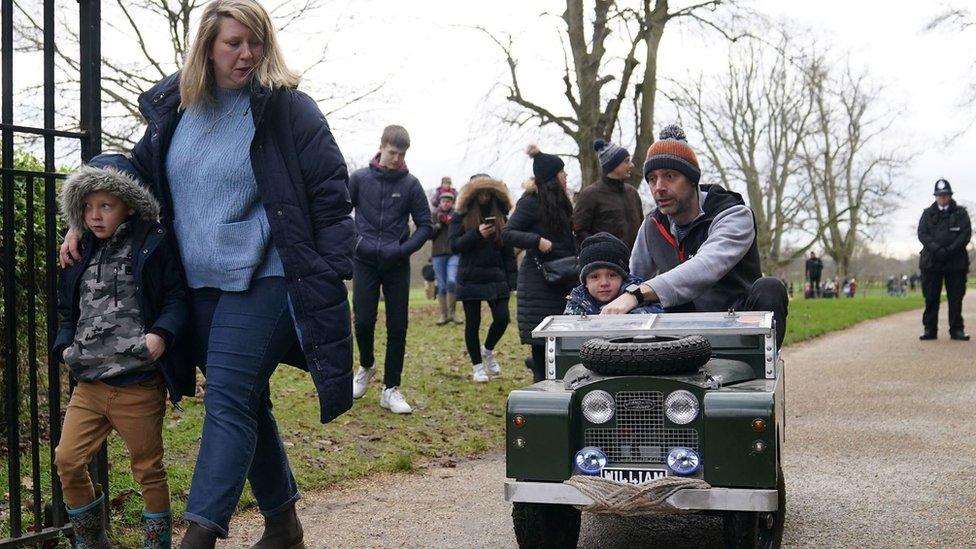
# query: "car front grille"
640,435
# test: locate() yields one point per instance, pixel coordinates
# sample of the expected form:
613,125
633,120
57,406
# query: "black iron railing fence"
29,316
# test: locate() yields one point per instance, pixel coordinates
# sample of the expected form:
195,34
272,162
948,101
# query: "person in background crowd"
445,261
254,188
609,205
697,249
385,196
812,269
944,231
487,268
430,279
446,187
541,225
852,287
604,274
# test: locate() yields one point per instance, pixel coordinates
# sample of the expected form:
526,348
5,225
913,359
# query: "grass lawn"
453,418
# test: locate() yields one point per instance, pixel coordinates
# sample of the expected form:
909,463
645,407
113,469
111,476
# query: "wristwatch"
635,290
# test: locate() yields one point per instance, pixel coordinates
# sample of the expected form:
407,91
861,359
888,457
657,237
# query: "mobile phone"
489,219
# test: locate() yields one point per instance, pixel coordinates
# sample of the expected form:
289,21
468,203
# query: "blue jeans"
445,270
243,336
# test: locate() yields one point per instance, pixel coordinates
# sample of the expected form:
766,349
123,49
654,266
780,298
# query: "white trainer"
480,375
490,362
392,400
361,381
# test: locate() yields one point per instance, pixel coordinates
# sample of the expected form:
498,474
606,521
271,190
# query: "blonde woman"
254,188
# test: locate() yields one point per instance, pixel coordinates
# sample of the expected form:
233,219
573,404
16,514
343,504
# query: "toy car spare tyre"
646,355
545,525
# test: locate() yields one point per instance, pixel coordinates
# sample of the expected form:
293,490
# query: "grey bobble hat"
611,154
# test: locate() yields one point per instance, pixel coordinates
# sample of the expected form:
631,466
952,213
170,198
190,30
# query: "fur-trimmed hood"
497,188
89,179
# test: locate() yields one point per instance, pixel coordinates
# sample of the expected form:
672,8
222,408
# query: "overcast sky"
438,73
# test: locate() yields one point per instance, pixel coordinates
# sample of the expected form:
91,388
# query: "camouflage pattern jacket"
110,339
122,289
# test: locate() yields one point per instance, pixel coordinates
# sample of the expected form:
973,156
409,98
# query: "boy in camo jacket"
122,308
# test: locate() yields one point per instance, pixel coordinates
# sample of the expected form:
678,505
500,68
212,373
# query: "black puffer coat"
302,179
536,298
944,236
486,270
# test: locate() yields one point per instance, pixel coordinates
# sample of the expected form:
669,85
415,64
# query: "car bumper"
711,499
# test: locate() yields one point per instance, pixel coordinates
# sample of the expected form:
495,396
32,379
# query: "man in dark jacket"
697,250
944,231
610,205
812,271
385,196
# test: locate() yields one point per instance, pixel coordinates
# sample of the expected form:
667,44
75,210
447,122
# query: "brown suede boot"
282,531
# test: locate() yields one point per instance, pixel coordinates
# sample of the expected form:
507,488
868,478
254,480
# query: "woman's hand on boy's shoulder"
69,252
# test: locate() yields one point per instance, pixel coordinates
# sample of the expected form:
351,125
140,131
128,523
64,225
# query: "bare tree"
958,19
149,40
753,120
850,174
596,83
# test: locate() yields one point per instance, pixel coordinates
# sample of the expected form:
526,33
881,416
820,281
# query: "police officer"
944,231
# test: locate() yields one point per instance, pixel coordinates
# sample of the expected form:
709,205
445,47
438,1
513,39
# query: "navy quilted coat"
303,182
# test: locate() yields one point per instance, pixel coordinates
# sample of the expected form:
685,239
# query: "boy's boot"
87,524
452,309
157,530
198,537
282,531
445,318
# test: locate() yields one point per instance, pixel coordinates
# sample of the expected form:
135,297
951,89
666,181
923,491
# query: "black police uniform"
944,234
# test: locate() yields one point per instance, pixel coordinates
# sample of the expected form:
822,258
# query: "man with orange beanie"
697,249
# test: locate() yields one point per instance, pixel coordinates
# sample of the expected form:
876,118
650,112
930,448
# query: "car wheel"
648,356
757,530
545,525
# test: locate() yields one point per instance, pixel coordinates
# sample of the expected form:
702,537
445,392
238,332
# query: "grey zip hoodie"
690,272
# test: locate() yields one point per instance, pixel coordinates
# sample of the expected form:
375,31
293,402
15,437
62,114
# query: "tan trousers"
136,413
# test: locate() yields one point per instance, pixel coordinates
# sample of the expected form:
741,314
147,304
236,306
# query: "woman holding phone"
486,271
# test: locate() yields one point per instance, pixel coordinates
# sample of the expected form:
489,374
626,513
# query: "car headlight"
684,461
590,460
681,407
598,406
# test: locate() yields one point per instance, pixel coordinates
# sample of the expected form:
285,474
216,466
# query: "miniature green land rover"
641,414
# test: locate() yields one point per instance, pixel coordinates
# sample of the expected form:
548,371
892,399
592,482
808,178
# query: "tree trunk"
656,21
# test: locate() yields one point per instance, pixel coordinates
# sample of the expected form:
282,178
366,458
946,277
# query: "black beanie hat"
603,251
545,167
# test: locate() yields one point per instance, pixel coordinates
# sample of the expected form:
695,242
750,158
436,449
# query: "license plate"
633,476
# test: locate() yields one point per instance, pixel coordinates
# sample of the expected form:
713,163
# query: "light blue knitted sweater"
221,226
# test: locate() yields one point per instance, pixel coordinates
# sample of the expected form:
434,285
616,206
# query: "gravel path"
881,452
